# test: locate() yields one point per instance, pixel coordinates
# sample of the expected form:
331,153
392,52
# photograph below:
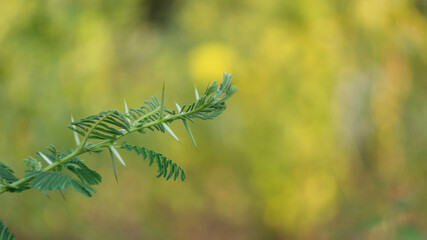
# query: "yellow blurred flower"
209,60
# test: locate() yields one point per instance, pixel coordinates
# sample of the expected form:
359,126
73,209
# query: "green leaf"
4,233
165,167
45,181
33,164
6,174
107,125
212,103
7,178
6,167
84,173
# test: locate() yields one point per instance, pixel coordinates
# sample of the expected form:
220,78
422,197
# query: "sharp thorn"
45,158
76,136
126,106
170,131
196,93
178,107
114,151
187,127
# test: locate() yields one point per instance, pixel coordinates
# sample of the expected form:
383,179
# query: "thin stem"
48,168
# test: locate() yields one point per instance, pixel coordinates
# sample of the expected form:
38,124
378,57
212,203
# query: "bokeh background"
325,139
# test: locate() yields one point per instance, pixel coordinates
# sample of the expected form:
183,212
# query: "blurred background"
325,139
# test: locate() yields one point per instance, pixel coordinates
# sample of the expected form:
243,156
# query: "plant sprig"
104,130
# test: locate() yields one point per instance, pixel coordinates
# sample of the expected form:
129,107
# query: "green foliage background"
326,138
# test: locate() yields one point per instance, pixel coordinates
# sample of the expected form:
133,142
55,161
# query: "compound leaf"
165,167
4,233
57,181
83,172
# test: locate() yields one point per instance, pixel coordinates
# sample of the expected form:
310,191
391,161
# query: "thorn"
76,137
187,127
178,107
114,151
162,103
48,197
114,164
196,93
126,106
126,110
45,158
62,194
170,131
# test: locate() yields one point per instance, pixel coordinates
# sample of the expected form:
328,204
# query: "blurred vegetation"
326,138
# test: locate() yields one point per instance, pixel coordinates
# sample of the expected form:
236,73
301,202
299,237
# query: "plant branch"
110,126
